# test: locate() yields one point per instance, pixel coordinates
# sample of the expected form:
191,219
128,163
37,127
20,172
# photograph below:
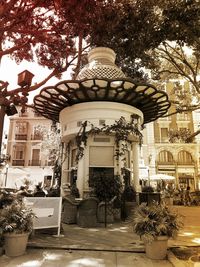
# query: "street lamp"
9,99
6,175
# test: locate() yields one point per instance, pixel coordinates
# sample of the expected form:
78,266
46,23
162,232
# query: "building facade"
176,158
24,147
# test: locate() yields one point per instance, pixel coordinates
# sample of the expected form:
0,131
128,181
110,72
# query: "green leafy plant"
182,135
129,193
106,187
121,129
16,218
155,220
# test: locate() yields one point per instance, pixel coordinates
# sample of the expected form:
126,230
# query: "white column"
81,174
135,165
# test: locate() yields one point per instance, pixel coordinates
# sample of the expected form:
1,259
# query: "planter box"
148,197
157,249
15,244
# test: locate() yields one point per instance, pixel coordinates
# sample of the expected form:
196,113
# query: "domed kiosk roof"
102,80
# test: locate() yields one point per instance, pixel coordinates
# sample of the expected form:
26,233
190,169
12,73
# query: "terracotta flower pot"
157,249
15,244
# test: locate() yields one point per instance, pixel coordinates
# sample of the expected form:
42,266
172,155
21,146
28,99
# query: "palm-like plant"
156,220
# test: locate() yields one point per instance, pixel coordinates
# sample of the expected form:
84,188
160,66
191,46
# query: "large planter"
130,206
69,213
194,261
15,244
157,249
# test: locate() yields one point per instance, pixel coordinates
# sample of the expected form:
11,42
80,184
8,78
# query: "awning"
161,176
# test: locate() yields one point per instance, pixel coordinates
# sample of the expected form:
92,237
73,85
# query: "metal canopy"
152,102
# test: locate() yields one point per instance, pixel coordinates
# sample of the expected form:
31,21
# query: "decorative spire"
101,65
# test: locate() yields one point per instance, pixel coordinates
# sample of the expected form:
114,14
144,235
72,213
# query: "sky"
9,71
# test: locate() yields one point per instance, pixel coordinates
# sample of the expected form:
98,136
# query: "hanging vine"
121,130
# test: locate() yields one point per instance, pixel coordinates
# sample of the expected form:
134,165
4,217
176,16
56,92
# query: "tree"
46,30
179,62
140,26
175,61
57,33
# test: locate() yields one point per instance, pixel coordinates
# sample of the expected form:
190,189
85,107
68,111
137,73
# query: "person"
23,192
39,192
187,196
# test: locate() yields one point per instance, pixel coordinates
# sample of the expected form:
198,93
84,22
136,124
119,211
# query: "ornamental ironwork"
152,102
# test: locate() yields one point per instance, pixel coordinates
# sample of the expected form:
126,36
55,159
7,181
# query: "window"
165,157
21,128
35,157
18,152
101,156
164,134
101,139
36,154
183,116
73,157
99,171
184,157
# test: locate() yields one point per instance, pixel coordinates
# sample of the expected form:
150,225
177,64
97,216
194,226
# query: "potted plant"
16,223
148,195
107,189
128,201
155,224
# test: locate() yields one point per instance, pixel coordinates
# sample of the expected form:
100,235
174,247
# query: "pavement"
114,246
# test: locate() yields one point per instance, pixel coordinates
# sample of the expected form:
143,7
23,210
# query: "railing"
49,163
36,137
21,137
165,162
18,162
163,140
185,163
34,162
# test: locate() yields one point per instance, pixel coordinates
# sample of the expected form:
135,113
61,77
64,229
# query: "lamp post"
6,175
9,99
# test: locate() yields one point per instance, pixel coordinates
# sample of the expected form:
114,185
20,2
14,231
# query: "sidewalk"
114,246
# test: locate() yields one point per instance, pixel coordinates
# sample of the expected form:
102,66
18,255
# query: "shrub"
16,217
129,194
106,187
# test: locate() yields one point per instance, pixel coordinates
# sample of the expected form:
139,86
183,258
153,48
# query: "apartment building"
26,158
177,158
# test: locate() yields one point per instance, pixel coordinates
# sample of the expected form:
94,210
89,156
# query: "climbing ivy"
121,130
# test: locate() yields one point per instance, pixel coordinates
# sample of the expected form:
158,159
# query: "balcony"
165,162
36,137
34,162
21,114
18,162
183,163
49,163
21,137
163,140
